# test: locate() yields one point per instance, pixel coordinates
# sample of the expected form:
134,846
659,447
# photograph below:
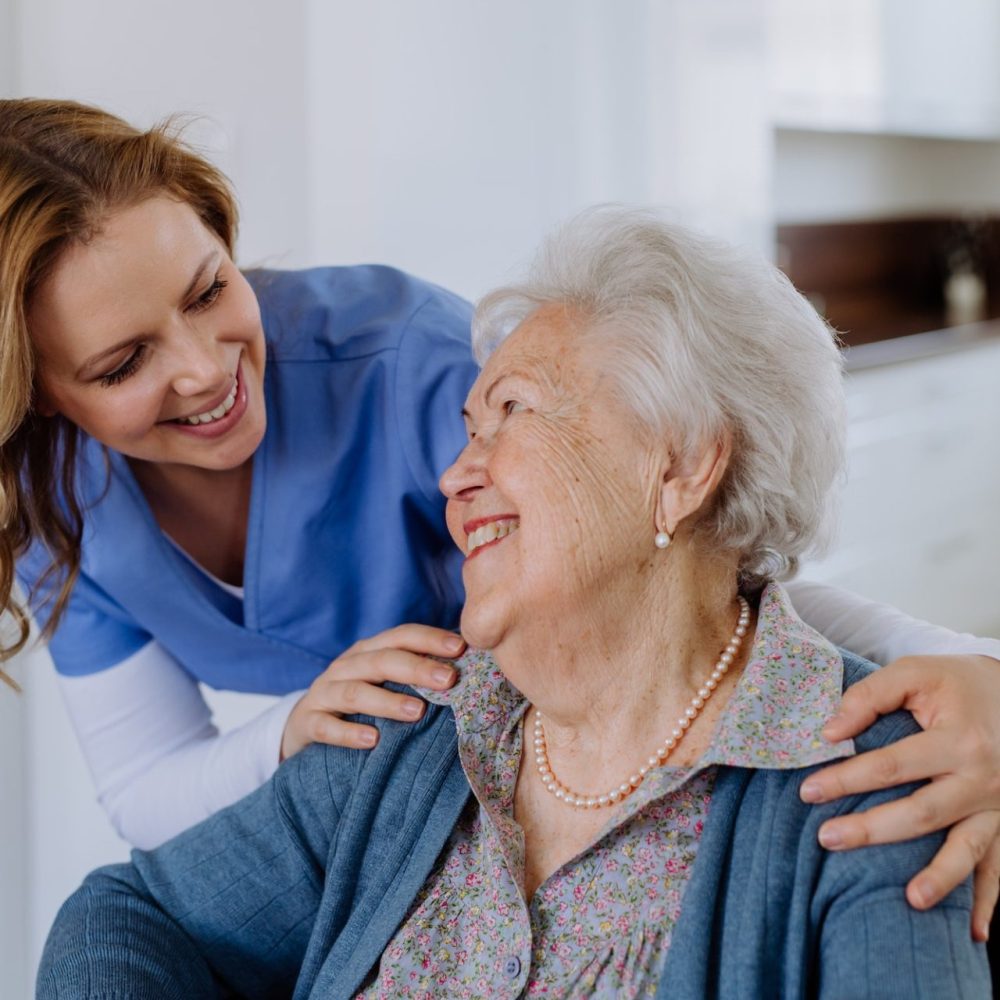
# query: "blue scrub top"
366,377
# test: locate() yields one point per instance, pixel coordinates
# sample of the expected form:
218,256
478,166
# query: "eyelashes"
209,296
206,300
131,366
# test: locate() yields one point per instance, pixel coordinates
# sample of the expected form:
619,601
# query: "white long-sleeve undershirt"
158,762
160,765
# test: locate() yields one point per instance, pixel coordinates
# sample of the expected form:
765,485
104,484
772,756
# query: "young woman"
224,478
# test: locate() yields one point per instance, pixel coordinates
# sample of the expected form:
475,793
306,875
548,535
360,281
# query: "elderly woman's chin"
484,623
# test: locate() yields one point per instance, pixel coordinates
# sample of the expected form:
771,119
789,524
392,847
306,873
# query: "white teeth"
220,411
490,533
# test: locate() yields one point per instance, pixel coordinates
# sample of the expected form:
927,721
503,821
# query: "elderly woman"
607,803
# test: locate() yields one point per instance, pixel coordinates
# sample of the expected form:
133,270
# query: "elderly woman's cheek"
599,501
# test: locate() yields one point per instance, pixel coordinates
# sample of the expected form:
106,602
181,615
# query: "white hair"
706,340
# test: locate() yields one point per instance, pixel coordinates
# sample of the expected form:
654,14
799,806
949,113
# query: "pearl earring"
661,539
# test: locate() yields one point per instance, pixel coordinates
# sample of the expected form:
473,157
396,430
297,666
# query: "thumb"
881,692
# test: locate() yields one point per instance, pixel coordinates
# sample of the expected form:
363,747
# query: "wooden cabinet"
920,520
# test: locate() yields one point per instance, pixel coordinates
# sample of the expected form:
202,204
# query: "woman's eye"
127,368
209,296
512,406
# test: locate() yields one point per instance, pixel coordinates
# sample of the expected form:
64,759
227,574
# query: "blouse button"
512,967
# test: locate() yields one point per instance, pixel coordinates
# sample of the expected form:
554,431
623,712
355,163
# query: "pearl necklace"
662,752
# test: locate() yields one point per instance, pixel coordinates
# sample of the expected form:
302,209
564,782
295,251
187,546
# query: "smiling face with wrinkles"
553,499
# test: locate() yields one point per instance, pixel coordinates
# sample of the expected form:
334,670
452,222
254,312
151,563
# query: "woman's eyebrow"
95,360
209,257
522,373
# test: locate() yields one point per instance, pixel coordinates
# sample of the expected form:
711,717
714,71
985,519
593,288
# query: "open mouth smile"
489,533
217,420
218,412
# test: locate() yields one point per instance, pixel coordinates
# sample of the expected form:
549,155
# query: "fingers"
889,688
350,686
358,697
424,639
381,664
321,727
985,889
911,759
317,718
971,844
931,807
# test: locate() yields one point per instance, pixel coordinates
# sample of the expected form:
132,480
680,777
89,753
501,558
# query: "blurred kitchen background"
857,142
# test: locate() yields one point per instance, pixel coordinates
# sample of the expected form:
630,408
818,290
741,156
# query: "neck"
166,484
611,684
205,511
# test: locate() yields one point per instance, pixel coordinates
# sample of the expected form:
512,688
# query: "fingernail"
984,931
830,837
443,675
412,708
924,893
811,792
833,724
454,643
368,738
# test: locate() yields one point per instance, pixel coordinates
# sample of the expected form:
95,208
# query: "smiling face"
554,497
150,340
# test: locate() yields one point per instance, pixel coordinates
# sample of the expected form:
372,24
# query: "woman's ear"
686,486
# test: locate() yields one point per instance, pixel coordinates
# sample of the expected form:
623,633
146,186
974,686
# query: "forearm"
158,762
878,632
197,779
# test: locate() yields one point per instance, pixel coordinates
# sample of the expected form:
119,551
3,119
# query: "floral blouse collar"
790,687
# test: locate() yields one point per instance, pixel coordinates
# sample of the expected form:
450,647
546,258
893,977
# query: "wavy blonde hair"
63,168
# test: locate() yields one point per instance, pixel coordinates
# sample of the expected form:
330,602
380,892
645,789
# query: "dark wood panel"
885,278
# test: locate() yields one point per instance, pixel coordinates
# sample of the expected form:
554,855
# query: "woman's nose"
466,474
199,366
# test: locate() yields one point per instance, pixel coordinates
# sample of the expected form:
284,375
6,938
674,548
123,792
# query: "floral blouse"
601,925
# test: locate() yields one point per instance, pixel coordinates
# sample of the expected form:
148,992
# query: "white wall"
237,63
821,176
448,136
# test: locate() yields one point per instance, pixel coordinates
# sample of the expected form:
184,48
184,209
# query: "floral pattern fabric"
600,925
